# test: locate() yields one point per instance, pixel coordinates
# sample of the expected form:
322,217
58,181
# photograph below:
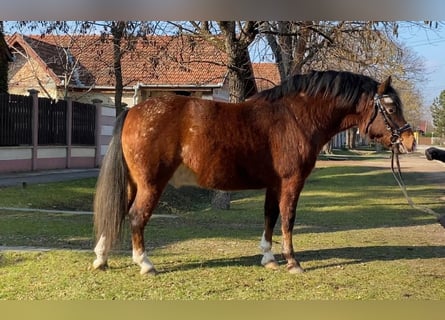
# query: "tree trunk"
3,63
221,200
118,30
327,148
354,138
351,138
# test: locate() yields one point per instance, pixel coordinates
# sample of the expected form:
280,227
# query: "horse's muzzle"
407,142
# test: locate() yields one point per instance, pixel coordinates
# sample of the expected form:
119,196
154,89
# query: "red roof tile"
266,75
155,61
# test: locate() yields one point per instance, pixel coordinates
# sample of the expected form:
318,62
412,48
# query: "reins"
396,141
398,177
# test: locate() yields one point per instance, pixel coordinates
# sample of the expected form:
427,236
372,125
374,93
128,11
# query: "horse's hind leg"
101,251
102,247
271,212
141,210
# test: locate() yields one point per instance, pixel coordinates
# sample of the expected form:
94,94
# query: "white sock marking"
266,248
101,253
143,261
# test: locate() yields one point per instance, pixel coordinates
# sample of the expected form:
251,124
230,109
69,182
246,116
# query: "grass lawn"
355,235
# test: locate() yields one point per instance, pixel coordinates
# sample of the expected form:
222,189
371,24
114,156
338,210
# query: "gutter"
154,86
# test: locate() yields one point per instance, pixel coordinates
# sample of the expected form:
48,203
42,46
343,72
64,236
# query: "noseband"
389,123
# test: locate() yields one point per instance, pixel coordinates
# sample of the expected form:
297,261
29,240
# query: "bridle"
395,142
389,123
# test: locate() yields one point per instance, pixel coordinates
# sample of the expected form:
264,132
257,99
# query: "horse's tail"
110,202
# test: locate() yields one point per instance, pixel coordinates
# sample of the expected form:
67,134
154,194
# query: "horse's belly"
183,176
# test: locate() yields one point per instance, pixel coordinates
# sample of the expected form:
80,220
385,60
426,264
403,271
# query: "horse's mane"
347,86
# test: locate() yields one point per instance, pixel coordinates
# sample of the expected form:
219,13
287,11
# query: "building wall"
15,159
108,118
106,96
25,74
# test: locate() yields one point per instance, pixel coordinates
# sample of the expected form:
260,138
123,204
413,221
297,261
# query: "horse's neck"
349,121
325,125
335,120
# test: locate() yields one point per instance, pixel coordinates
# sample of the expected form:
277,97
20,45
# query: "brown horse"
270,141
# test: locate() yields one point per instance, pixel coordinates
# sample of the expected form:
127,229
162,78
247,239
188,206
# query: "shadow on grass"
13,259
348,255
357,255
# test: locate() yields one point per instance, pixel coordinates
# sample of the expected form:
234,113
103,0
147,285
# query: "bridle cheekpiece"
389,123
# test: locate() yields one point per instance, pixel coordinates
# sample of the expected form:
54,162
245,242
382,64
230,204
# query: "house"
82,67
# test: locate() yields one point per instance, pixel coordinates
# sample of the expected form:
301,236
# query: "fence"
16,114
15,120
84,124
39,133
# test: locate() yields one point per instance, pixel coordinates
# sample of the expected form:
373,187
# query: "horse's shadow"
348,256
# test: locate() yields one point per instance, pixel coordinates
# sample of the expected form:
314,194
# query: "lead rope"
398,177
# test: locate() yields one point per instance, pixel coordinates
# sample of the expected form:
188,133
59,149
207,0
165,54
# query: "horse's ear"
383,87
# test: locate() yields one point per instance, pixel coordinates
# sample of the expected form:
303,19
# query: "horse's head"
387,124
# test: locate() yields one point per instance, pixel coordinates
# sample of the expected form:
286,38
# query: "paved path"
35,177
433,171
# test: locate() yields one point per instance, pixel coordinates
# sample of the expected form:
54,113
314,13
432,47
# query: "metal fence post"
69,130
35,126
98,104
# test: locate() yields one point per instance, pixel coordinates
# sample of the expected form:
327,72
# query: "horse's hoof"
149,272
273,265
294,269
100,265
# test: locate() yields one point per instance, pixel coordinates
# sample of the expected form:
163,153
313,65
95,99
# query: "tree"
237,38
5,57
438,114
123,35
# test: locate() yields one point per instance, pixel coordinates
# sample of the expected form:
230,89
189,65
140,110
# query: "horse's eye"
390,110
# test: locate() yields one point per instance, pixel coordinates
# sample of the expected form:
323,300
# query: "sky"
429,44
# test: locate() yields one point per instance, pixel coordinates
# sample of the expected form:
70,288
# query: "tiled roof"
266,75
156,61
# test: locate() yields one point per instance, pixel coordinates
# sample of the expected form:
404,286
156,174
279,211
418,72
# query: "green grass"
355,236
72,195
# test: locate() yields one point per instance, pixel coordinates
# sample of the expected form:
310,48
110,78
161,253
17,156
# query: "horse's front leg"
290,193
271,212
